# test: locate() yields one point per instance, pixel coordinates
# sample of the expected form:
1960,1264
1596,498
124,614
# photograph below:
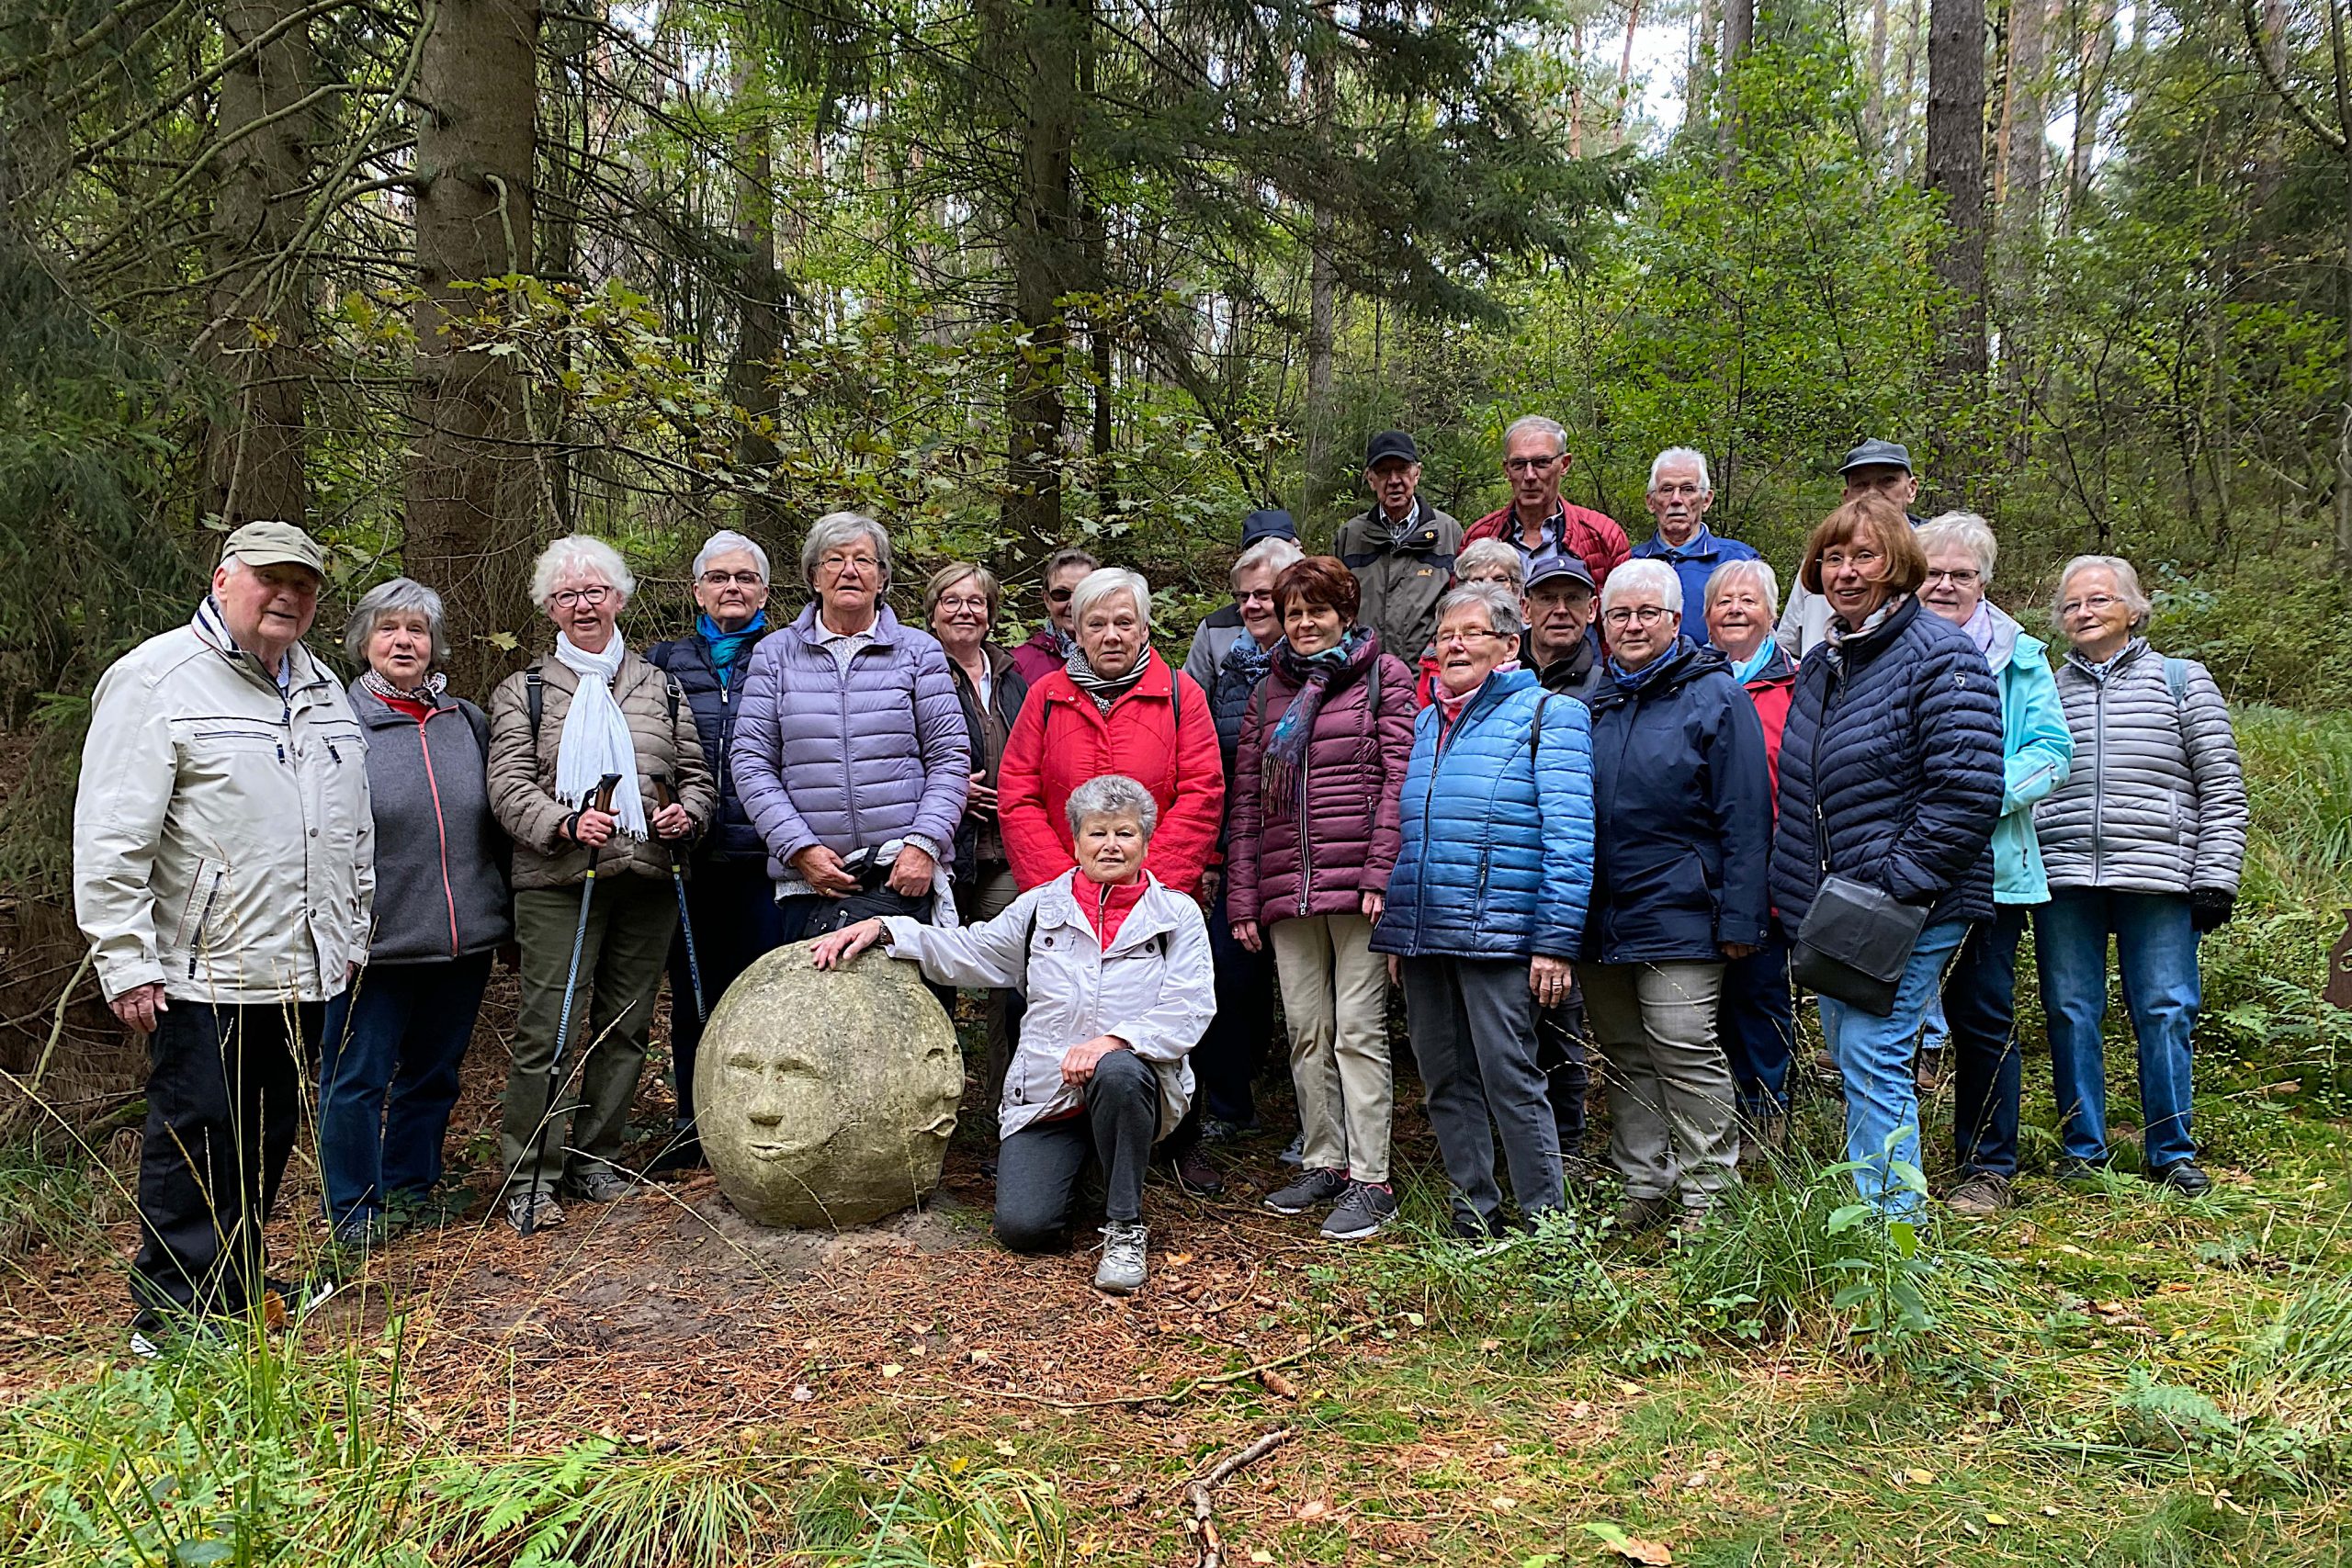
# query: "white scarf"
595,735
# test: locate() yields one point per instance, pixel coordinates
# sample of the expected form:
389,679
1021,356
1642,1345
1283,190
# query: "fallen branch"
1189,1386
1201,1526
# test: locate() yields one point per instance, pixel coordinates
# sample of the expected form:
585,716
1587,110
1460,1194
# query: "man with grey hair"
1535,459
729,900
224,873
1680,492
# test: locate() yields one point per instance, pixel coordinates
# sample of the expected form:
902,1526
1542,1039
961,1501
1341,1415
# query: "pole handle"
605,788
665,794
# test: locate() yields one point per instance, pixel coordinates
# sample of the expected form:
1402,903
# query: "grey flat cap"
1875,454
274,543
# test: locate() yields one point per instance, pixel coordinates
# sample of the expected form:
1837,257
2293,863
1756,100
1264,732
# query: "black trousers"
735,919
1038,1167
225,1099
1560,1051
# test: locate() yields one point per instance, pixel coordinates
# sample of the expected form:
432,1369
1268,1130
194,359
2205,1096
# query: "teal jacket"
2037,750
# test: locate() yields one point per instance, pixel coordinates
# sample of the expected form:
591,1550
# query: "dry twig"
1201,1526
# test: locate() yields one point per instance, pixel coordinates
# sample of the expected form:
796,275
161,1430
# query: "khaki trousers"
1335,998
629,925
1670,1089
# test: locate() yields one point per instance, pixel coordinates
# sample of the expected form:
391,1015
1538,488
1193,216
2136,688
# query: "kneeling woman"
1115,966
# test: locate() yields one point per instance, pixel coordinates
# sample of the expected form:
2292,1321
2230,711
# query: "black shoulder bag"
1856,939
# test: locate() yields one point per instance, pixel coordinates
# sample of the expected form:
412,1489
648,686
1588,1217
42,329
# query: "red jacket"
1770,689
1062,739
1591,534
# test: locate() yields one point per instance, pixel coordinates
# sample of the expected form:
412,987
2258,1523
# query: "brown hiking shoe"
1980,1197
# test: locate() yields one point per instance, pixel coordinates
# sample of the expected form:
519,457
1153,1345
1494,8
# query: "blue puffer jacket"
1497,857
1902,746
850,763
1682,802
716,705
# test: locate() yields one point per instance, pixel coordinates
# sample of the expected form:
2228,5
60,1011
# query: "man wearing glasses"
1535,459
728,896
1680,495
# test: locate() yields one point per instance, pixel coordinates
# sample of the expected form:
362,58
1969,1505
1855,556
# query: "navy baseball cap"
1878,454
1273,524
1563,564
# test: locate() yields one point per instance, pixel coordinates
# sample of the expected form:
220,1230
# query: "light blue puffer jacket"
1497,859
2036,749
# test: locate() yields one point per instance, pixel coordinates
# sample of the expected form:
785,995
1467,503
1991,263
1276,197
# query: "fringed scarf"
1283,773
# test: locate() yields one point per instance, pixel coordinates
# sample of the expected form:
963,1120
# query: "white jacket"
1155,988
223,842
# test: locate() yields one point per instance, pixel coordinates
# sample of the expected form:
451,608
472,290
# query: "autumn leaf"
893,1369
1314,1508
1653,1554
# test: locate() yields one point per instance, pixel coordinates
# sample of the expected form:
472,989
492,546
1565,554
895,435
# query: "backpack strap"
1535,731
535,699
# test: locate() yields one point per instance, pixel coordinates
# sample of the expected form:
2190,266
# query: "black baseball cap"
1390,444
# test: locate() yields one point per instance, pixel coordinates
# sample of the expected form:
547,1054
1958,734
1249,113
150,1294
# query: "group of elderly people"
1558,788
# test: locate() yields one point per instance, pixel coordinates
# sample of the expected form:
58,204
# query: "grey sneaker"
528,1212
1311,1191
1121,1271
599,1185
1980,1197
1367,1207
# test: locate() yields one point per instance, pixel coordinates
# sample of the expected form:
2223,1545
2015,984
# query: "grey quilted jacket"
2156,801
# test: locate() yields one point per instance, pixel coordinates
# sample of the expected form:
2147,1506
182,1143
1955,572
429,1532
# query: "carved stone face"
825,1097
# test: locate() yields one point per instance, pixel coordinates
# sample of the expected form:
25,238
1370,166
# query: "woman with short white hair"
1115,967
2143,843
850,752
1757,1020
394,1040
729,898
577,743
1492,560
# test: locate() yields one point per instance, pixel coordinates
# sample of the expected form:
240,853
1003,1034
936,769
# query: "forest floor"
2105,1379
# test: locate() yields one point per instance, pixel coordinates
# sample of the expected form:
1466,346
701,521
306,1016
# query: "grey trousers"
1671,1097
1472,1023
1037,1168
629,925
984,899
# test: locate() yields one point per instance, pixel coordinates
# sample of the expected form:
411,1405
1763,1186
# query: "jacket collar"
1860,649
1156,912
303,671
374,714
2006,634
884,630
1702,545
1776,671
2116,666
1419,532
1158,680
1681,665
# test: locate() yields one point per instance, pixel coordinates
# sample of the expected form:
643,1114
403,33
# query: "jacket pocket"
205,896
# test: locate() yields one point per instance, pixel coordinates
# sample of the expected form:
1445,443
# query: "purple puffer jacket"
856,763
1355,766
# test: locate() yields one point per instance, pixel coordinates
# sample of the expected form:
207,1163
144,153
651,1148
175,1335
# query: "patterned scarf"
424,696
727,647
1283,773
1104,691
1839,632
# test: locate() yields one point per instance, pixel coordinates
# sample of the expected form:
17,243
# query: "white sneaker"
1121,1272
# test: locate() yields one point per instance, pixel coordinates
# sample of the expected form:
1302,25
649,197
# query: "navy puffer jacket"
716,703
1901,746
1683,814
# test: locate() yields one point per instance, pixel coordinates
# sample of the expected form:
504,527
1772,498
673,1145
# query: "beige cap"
274,543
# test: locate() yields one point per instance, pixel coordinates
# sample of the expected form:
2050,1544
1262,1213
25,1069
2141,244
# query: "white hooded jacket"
1155,987
223,842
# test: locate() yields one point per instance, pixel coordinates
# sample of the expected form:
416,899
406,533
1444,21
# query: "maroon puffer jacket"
1355,766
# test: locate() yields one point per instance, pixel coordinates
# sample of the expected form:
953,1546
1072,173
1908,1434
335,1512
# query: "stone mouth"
767,1151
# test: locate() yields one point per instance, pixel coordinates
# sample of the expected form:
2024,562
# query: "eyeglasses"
1630,615
843,563
1058,595
1685,487
1254,596
1963,578
2096,604
573,598
721,578
955,604
1461,638
1530,465
1832,559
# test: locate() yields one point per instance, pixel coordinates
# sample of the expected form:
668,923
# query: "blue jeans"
1874,1057
1758,1025
1980,1001
2155,946
388,1078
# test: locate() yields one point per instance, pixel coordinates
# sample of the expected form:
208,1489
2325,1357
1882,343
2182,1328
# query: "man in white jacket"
223,870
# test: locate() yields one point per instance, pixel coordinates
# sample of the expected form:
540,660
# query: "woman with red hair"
1312,836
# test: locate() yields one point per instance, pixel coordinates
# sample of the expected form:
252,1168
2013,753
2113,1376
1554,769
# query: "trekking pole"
603,801
665,794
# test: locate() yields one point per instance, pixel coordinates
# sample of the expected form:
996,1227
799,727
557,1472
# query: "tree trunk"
1874,104
260,307
2025,125
472,493
2093,48
1739,32
2337,53
760,302
1626,69
1697,84
1044,238
1956,173
1913,33
1322,85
